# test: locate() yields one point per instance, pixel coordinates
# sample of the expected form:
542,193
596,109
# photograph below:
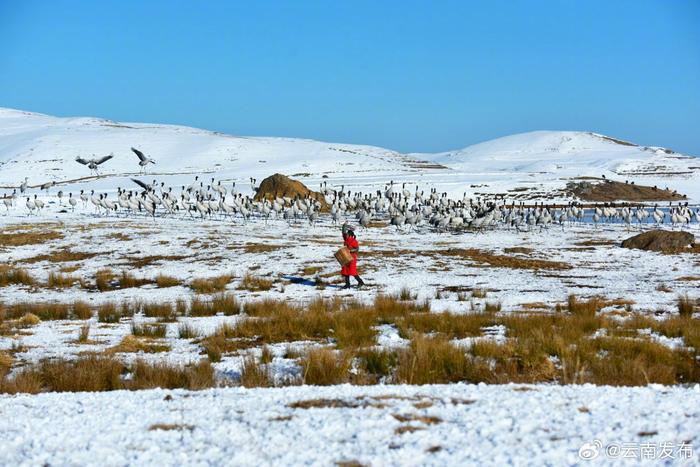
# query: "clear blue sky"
408,75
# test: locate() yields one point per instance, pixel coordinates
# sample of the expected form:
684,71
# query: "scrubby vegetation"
575,341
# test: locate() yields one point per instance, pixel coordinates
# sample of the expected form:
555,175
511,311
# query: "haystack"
281,186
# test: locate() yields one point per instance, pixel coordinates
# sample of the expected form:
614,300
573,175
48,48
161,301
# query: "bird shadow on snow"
308,282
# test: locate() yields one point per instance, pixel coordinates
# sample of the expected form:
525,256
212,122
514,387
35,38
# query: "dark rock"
661,240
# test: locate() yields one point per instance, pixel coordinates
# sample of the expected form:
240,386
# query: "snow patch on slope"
570,152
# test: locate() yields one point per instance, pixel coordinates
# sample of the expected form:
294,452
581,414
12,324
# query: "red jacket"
350,269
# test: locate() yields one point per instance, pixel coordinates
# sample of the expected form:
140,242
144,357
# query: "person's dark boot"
347,282
359,280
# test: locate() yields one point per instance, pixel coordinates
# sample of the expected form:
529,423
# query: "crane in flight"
143,160
94,163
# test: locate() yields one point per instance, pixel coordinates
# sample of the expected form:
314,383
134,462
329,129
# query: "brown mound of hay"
609,190
661,240
281,186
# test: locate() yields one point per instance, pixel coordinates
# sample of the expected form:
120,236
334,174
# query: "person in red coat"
350,269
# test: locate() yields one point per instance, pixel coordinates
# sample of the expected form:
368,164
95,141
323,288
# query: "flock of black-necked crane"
400,207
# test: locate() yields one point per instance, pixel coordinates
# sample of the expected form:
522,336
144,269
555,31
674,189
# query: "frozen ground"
378,425
489,425
295,256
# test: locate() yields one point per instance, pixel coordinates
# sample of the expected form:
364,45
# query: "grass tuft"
211,284
108,313
685,305
148,330
58,280
255,284
15,276
325,367
187,331
164,281
254,374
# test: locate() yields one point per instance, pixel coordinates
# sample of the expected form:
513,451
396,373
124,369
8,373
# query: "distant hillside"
571,153
536,165
44,148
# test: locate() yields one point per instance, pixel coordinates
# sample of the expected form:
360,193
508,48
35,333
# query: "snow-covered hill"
44,148
573,152
538,164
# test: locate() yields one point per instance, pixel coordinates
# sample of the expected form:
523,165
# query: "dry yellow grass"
211,284
15,276
575,344
108,313
81,310
255,284
161,310
447,324
323,404
46,311
160,375
28,237
84,335
103,279
62,255
686,305
376,363
170,427
254,374
140,262
128,281
69,268
503,261
29,319
164,281
201,307
214,346
435,361
324,367
260,248
148,329
131,344
225,303
266,355
187,331
479,293
426,419
58,280
103,373
6,362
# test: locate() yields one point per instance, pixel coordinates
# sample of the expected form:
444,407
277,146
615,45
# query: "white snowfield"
375,425
44,149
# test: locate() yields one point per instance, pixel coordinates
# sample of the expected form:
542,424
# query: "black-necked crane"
72,201
84,198
143,160
93,163
31,206
38,203
23,185
46,186
7,201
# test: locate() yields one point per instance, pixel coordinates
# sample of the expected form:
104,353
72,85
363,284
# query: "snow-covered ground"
491,425
374,425
646,282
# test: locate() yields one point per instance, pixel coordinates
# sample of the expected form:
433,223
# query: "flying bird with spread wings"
143,185
143,160
94,163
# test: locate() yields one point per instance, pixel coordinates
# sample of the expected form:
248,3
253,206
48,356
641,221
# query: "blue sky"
408,75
